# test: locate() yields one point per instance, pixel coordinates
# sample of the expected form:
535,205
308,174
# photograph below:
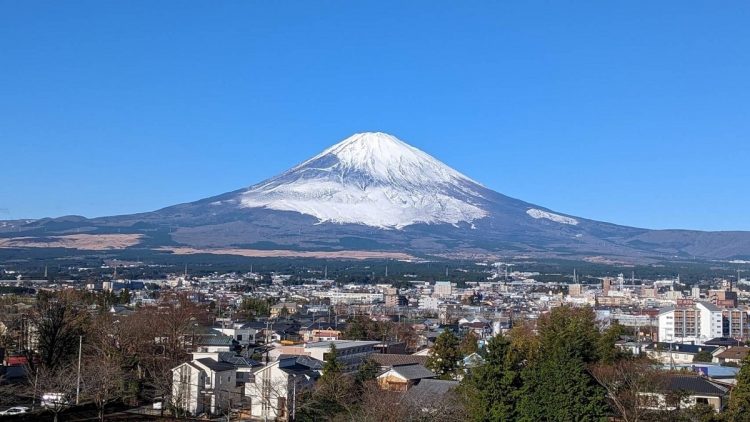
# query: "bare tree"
102,381
53,387
377,405
629,384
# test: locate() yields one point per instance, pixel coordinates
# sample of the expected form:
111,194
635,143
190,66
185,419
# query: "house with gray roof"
689,389
403,377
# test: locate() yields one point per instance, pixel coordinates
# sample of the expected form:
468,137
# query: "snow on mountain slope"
557,218
372,179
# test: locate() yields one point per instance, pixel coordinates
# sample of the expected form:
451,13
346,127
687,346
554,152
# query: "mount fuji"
371,193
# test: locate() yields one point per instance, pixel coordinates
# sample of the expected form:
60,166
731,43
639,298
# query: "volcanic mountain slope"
375,192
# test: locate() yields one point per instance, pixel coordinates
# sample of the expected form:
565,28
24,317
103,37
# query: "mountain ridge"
372,191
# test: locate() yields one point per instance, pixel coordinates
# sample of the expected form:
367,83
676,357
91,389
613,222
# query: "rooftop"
413,372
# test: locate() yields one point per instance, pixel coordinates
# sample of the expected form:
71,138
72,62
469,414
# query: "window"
701,400
239,337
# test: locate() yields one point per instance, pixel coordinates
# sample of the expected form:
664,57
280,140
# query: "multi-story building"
443,289
349,297
736,323
395,300
690,321
427,302
273,389
349,353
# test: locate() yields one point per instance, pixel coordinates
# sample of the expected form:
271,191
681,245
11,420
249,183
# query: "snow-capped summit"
387,159
374,179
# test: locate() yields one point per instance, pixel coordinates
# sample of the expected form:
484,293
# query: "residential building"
733,355
349,353
678,353
402,377
690,321
274,388
443,289
694,390
736,323
205,385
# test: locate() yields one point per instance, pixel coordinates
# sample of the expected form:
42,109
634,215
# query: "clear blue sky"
634,112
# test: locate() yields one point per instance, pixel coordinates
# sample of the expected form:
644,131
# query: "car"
17,410
55,400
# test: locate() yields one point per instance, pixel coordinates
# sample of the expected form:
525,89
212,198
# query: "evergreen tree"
607,352
445,355
367,371
331,367
557,385
558,388
492,389
469,343
124,297
739,401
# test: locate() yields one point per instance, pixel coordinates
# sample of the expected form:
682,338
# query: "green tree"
124,297
331,367
607,352
703,356
469,344
334,394
572,330
559,388
739,401
557,385
445,355
367,371
283,312
491,391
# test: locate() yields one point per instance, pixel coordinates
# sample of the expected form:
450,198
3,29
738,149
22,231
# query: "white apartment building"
698,322
443,289
428,302
350,297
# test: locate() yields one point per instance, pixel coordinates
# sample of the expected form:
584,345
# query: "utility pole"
78,383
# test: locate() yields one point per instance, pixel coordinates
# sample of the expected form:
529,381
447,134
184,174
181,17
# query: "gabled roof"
238,361
413,372
430,390
695,384
394,359
214,365
218,340
739,352
681,347
724,341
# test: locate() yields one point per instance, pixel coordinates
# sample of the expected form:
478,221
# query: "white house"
205,385
243,333
274,388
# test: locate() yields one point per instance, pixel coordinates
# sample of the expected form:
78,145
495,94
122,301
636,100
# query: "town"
281,346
